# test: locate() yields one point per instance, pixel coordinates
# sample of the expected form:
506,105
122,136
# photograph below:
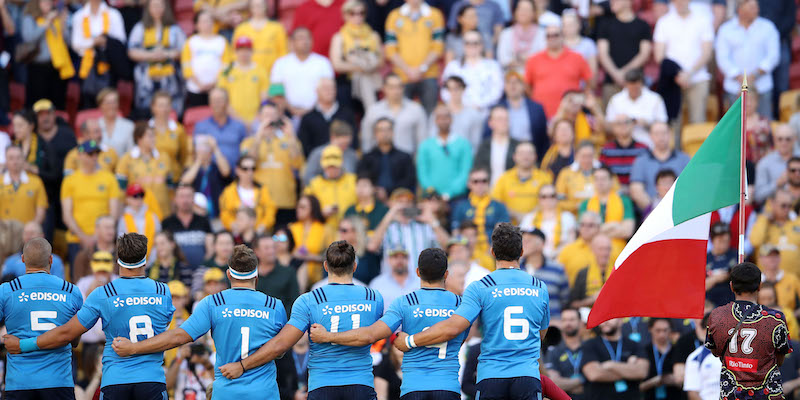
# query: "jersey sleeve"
544,321
470,306
394,315
91,309
3,301
379,305
77,300
280,314
301,313
200,321
780,337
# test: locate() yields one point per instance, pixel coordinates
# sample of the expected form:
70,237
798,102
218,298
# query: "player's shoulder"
775,315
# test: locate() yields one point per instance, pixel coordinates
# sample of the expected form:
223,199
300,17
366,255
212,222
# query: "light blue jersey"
135,308
433,367
513,307
31,305
338,308
241,320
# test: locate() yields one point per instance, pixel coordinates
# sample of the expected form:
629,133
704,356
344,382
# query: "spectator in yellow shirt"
787,286
22,195
518,188
279,158
246,193
578,254
777,226
86,195
171,140
309,237
246,82
335,188
91,130
269,37
146,166
575,183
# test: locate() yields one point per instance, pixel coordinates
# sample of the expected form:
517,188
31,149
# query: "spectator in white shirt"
639,103
202,59
410,120
300,71
398,280
483,76
687,38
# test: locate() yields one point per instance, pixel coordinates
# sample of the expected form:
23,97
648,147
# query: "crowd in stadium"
396,126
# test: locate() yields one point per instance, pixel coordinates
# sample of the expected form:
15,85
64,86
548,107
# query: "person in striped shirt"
535,263
620,153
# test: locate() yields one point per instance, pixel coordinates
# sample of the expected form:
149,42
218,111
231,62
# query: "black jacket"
483,158
314,129
402,168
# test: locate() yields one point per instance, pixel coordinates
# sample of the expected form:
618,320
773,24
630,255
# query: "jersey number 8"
135,330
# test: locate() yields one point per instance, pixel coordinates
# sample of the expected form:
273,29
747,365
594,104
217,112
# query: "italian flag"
661,271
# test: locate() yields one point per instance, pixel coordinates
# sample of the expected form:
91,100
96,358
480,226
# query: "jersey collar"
434,288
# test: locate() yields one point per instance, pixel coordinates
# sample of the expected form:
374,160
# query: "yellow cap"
102,261
177,288
213,274
331,157
43,105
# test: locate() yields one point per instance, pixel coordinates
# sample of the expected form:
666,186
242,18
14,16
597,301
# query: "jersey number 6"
510,322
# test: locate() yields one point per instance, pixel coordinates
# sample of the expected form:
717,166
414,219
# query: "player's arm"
51,339
355,337
439,333
163,341
271,350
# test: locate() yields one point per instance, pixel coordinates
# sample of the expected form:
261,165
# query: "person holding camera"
191,372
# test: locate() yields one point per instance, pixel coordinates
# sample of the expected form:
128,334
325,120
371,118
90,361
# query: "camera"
198,349
411,212
276,124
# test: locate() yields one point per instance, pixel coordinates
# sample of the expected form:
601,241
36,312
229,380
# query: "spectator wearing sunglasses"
137,216
246,193
479,208
771,170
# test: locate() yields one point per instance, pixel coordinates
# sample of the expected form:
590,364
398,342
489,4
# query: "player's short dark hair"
506,242
745,278
131,247
652,322
340,256
243,259
432,264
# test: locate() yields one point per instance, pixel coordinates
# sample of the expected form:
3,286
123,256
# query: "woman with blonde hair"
117,130
356,55
522,39
51,66
558,225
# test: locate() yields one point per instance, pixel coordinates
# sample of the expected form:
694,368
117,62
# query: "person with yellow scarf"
246,193
557,225
155,45
357,53
561,153
171,138
51,66
590,279
138,217
615,210
146,166
585,114
479,208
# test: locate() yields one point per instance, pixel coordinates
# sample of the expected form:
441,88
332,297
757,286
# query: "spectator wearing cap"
137,216
390,167
213,282
86,195
108,158
279,158
624,43
202,59
321,117
496,152
148,167
274,279
483,76
620,153
301,70
22,194
777,225
335,188
518,188
208,172
268,36
748,44
155,46
787,285
105,237
527,121
554,71
522,39
557,226
467,122
244,192
192,231
367,207
13,265
406,226
102,272
479,208
685,37
444,159
535,263
168,262
226,130
616,210
719,261
408,116
771,170
646,167
414,45
396,280
341,136
640,104
246,82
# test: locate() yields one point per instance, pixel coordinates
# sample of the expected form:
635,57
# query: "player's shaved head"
432,264
340,258
37,253
243,259
131,248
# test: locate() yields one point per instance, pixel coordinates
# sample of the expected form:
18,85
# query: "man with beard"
563,361
613,365
793,181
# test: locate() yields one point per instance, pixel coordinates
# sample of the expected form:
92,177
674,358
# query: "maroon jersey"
749,362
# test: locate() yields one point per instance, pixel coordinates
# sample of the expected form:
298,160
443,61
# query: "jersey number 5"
511,322
146,328
748,334
37,325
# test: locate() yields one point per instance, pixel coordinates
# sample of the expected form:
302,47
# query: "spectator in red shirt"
323,18
554,71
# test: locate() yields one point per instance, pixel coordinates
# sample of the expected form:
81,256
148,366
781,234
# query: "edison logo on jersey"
245,312
497,292
138,301
343,308
433,312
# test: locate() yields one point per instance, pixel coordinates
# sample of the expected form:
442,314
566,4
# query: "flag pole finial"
744,83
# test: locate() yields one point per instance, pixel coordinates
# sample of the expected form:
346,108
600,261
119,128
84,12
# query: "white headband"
141,263
242,275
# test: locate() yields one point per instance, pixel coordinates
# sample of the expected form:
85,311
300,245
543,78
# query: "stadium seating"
194,115
693,136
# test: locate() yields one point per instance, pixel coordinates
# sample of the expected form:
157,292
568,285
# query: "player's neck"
751,297
506,264
29,270
131,273
340,279
248,284
432,285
